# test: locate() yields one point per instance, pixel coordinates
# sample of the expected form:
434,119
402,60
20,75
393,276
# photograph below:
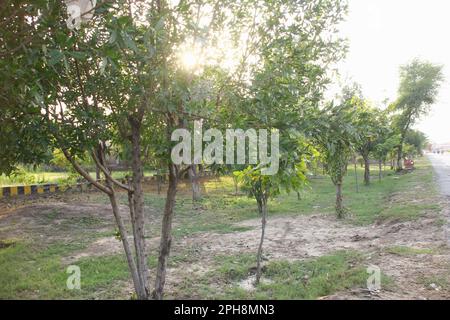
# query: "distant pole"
356,174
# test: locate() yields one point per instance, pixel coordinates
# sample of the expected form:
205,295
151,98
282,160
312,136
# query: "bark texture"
166,233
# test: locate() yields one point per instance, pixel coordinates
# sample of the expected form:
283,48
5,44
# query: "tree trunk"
158,181
260,205
166,234
380,170
339,205
99,152
236,185
136,202
366,170
400,157
356,175
193,177
140,290
97,173
261,241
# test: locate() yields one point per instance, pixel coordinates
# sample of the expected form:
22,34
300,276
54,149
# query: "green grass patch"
408,251
308,279
441,281
30,272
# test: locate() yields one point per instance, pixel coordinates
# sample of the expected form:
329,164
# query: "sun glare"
189,60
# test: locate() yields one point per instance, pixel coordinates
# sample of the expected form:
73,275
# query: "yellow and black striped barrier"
6,192
28,190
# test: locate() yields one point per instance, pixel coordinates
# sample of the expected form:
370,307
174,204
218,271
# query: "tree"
105,82
419,86
333,134
22,137
369,123
289,177
387,142
418,140
281,94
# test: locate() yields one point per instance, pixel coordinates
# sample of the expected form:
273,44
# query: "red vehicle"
408,164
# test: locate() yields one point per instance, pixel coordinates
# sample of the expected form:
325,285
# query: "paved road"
441,165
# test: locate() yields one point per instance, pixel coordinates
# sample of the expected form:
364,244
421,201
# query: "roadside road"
441,165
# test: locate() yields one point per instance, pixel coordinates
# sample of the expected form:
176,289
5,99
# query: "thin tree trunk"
166,234
356,175
97,174
380,170
366,170
339,206
158,181
193,178
399,157
137,206
260,205
140,290
236,186
261,241
99,151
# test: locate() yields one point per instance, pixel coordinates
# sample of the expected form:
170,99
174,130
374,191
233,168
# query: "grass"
29,272
42,177
408,251
395,198
436,281
36,269
314,278
282,279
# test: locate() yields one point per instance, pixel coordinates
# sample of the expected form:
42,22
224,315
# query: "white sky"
385,34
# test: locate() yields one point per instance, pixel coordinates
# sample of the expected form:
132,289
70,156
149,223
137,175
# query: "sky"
385,34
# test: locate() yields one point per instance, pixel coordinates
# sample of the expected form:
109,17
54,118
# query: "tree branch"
108,174
85,174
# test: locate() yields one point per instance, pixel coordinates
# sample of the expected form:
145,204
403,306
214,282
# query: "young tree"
333,134
281,94
290,177
419,86
386,144
368,121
